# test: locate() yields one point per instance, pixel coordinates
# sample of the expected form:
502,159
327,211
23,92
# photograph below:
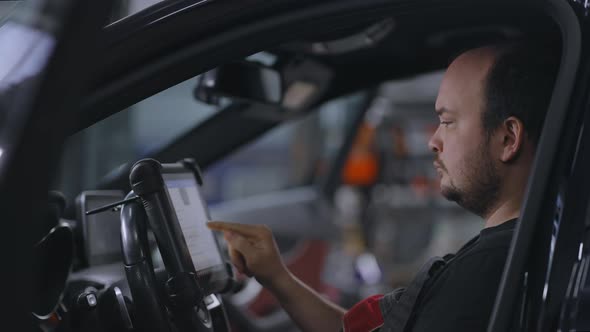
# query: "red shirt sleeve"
364,316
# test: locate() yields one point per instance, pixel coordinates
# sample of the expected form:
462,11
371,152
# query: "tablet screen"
192,217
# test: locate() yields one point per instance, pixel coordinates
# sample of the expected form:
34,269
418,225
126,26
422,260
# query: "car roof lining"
119,86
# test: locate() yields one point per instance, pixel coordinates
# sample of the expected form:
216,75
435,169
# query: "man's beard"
481,186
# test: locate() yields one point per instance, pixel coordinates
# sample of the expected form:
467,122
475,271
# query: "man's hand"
253,251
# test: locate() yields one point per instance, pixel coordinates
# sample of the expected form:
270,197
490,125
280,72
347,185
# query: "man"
491,106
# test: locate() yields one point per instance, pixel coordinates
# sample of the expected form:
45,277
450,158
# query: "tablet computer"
192,214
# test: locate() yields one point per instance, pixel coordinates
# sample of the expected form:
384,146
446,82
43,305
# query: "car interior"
312,118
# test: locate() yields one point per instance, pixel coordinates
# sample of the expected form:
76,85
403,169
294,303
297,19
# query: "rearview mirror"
240,81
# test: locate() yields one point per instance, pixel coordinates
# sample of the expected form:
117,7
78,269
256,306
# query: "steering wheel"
52,261
179,303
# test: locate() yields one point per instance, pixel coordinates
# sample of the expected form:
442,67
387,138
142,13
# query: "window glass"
288,156
129,135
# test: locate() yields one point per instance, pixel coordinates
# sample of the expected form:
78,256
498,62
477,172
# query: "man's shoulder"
463,295
472,273
495,242
482,253
485,264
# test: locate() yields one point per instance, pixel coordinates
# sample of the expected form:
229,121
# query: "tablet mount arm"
182,299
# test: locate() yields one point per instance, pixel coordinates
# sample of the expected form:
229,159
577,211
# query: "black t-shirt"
461,296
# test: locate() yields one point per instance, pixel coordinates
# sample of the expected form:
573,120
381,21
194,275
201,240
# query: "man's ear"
512,136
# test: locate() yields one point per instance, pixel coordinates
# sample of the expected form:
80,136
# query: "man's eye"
445,123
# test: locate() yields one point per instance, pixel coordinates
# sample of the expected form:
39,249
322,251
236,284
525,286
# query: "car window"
291,155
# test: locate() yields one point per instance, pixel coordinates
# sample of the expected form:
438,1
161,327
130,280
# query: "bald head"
464,82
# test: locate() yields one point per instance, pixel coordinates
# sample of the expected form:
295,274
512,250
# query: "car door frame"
522,295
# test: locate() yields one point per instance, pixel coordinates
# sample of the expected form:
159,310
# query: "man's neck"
512,190
499,217
506,210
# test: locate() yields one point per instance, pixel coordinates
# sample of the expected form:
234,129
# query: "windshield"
131,134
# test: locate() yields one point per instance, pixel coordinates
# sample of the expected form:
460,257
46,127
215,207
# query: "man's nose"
434,143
